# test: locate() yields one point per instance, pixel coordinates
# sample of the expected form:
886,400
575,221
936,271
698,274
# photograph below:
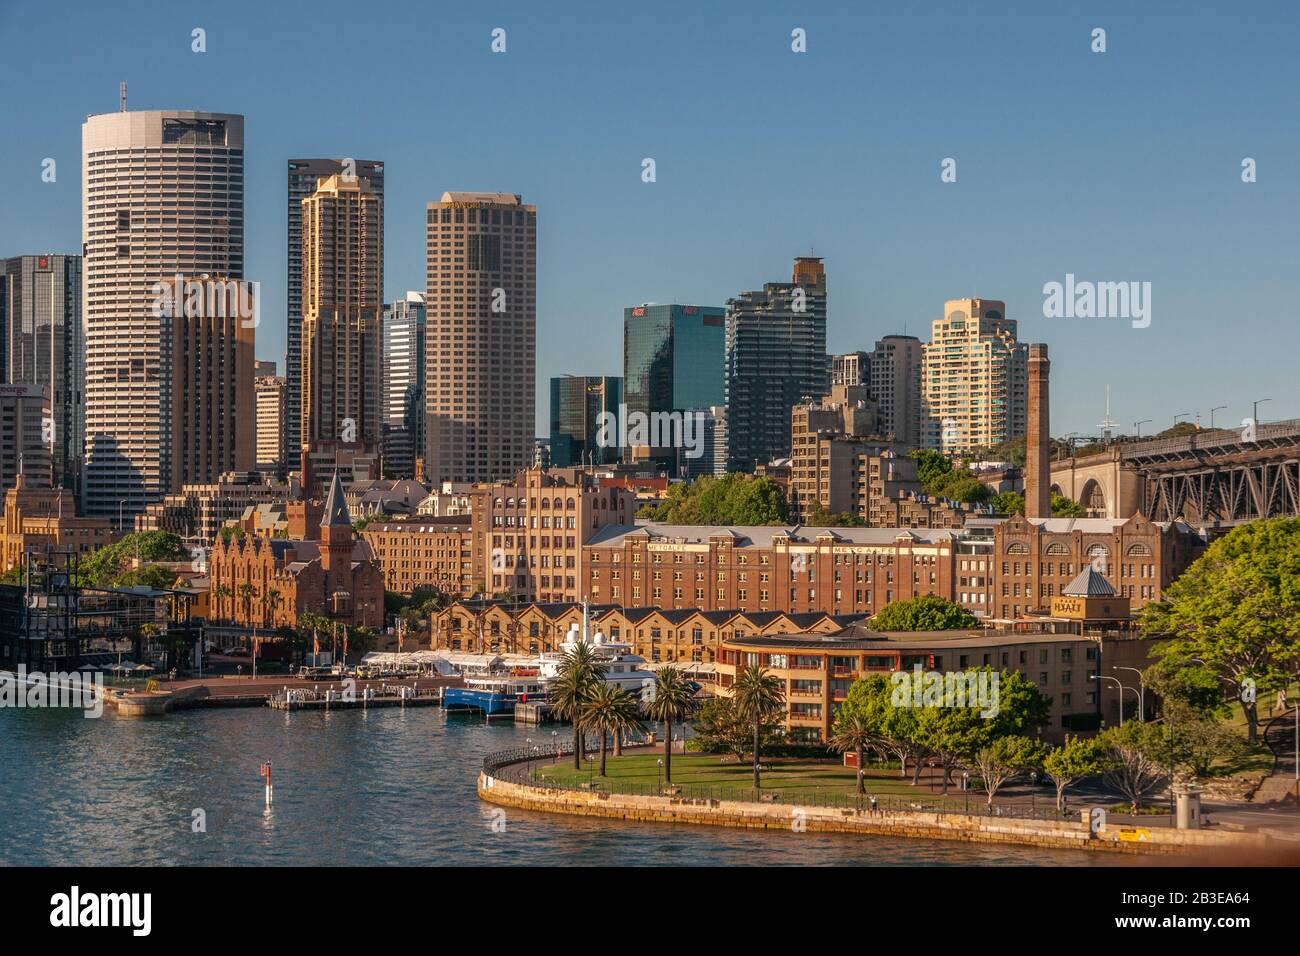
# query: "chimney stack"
1038,473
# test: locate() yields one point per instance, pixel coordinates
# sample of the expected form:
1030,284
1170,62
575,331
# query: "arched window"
1138,551
1017,547
1057,548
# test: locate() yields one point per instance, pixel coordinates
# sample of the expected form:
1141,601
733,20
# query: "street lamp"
660,762
1138,426
1142,689
1216,408
965,787
555,745
1121,687
1254,414
1182,415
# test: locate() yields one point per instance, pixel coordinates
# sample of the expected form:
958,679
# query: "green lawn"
698,773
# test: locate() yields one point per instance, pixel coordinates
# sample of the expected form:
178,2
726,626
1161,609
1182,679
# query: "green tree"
1004,759
759,697
670,703
1137,758
930,465
578,675
926,613
819,517
1237,608
854,732
1008,503
610,710
1200,738
718,729
1078,759
1063,507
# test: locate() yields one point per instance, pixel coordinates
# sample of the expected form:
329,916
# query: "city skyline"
1091,190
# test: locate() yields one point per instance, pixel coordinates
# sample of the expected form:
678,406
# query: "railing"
521,765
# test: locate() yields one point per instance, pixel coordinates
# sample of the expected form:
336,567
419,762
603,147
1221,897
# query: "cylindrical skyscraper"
163,195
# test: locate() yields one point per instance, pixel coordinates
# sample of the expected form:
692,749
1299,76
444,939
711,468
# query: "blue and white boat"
493,695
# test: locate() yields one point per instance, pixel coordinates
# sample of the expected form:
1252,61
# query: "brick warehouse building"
320,568
836,570
656,634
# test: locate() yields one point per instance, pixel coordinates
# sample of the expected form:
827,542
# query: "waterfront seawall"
1047,834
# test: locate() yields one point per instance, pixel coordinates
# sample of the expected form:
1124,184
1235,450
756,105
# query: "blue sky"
1122,166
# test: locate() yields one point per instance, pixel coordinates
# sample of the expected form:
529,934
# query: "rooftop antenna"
121,96
1107,423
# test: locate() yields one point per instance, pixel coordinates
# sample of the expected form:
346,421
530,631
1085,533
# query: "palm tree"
579,674
246,592
759,697
672,699
854,733
610,709
272,603
221,592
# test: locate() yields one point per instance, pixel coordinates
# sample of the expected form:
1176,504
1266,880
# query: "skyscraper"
895,383
304,175
674,360
776,357
40,300
975,378
163,195
851,368
272,400
577,402
481,336
404,325
342,341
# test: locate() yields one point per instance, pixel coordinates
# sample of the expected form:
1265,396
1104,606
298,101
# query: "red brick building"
321,568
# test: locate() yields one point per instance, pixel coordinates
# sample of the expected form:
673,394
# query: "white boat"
622,667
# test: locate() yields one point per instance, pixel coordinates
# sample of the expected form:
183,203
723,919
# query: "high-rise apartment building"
342,300
40,313
481,337
674,360
975,378
304,176
577,404
163,195
776,357
404,332
272,404
895,381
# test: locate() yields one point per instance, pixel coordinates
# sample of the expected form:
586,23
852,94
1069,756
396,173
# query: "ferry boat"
494,695
622,667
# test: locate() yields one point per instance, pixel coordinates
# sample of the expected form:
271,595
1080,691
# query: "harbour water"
381,787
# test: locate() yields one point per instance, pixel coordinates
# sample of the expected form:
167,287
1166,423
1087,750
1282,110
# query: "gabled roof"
1088,583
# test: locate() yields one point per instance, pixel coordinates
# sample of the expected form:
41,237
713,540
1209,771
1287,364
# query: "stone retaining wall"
920,825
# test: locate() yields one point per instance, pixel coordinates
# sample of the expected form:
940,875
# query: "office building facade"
674,359
303,177
40,313
481,338
403,369
342,301
776,357
577,405
163,195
